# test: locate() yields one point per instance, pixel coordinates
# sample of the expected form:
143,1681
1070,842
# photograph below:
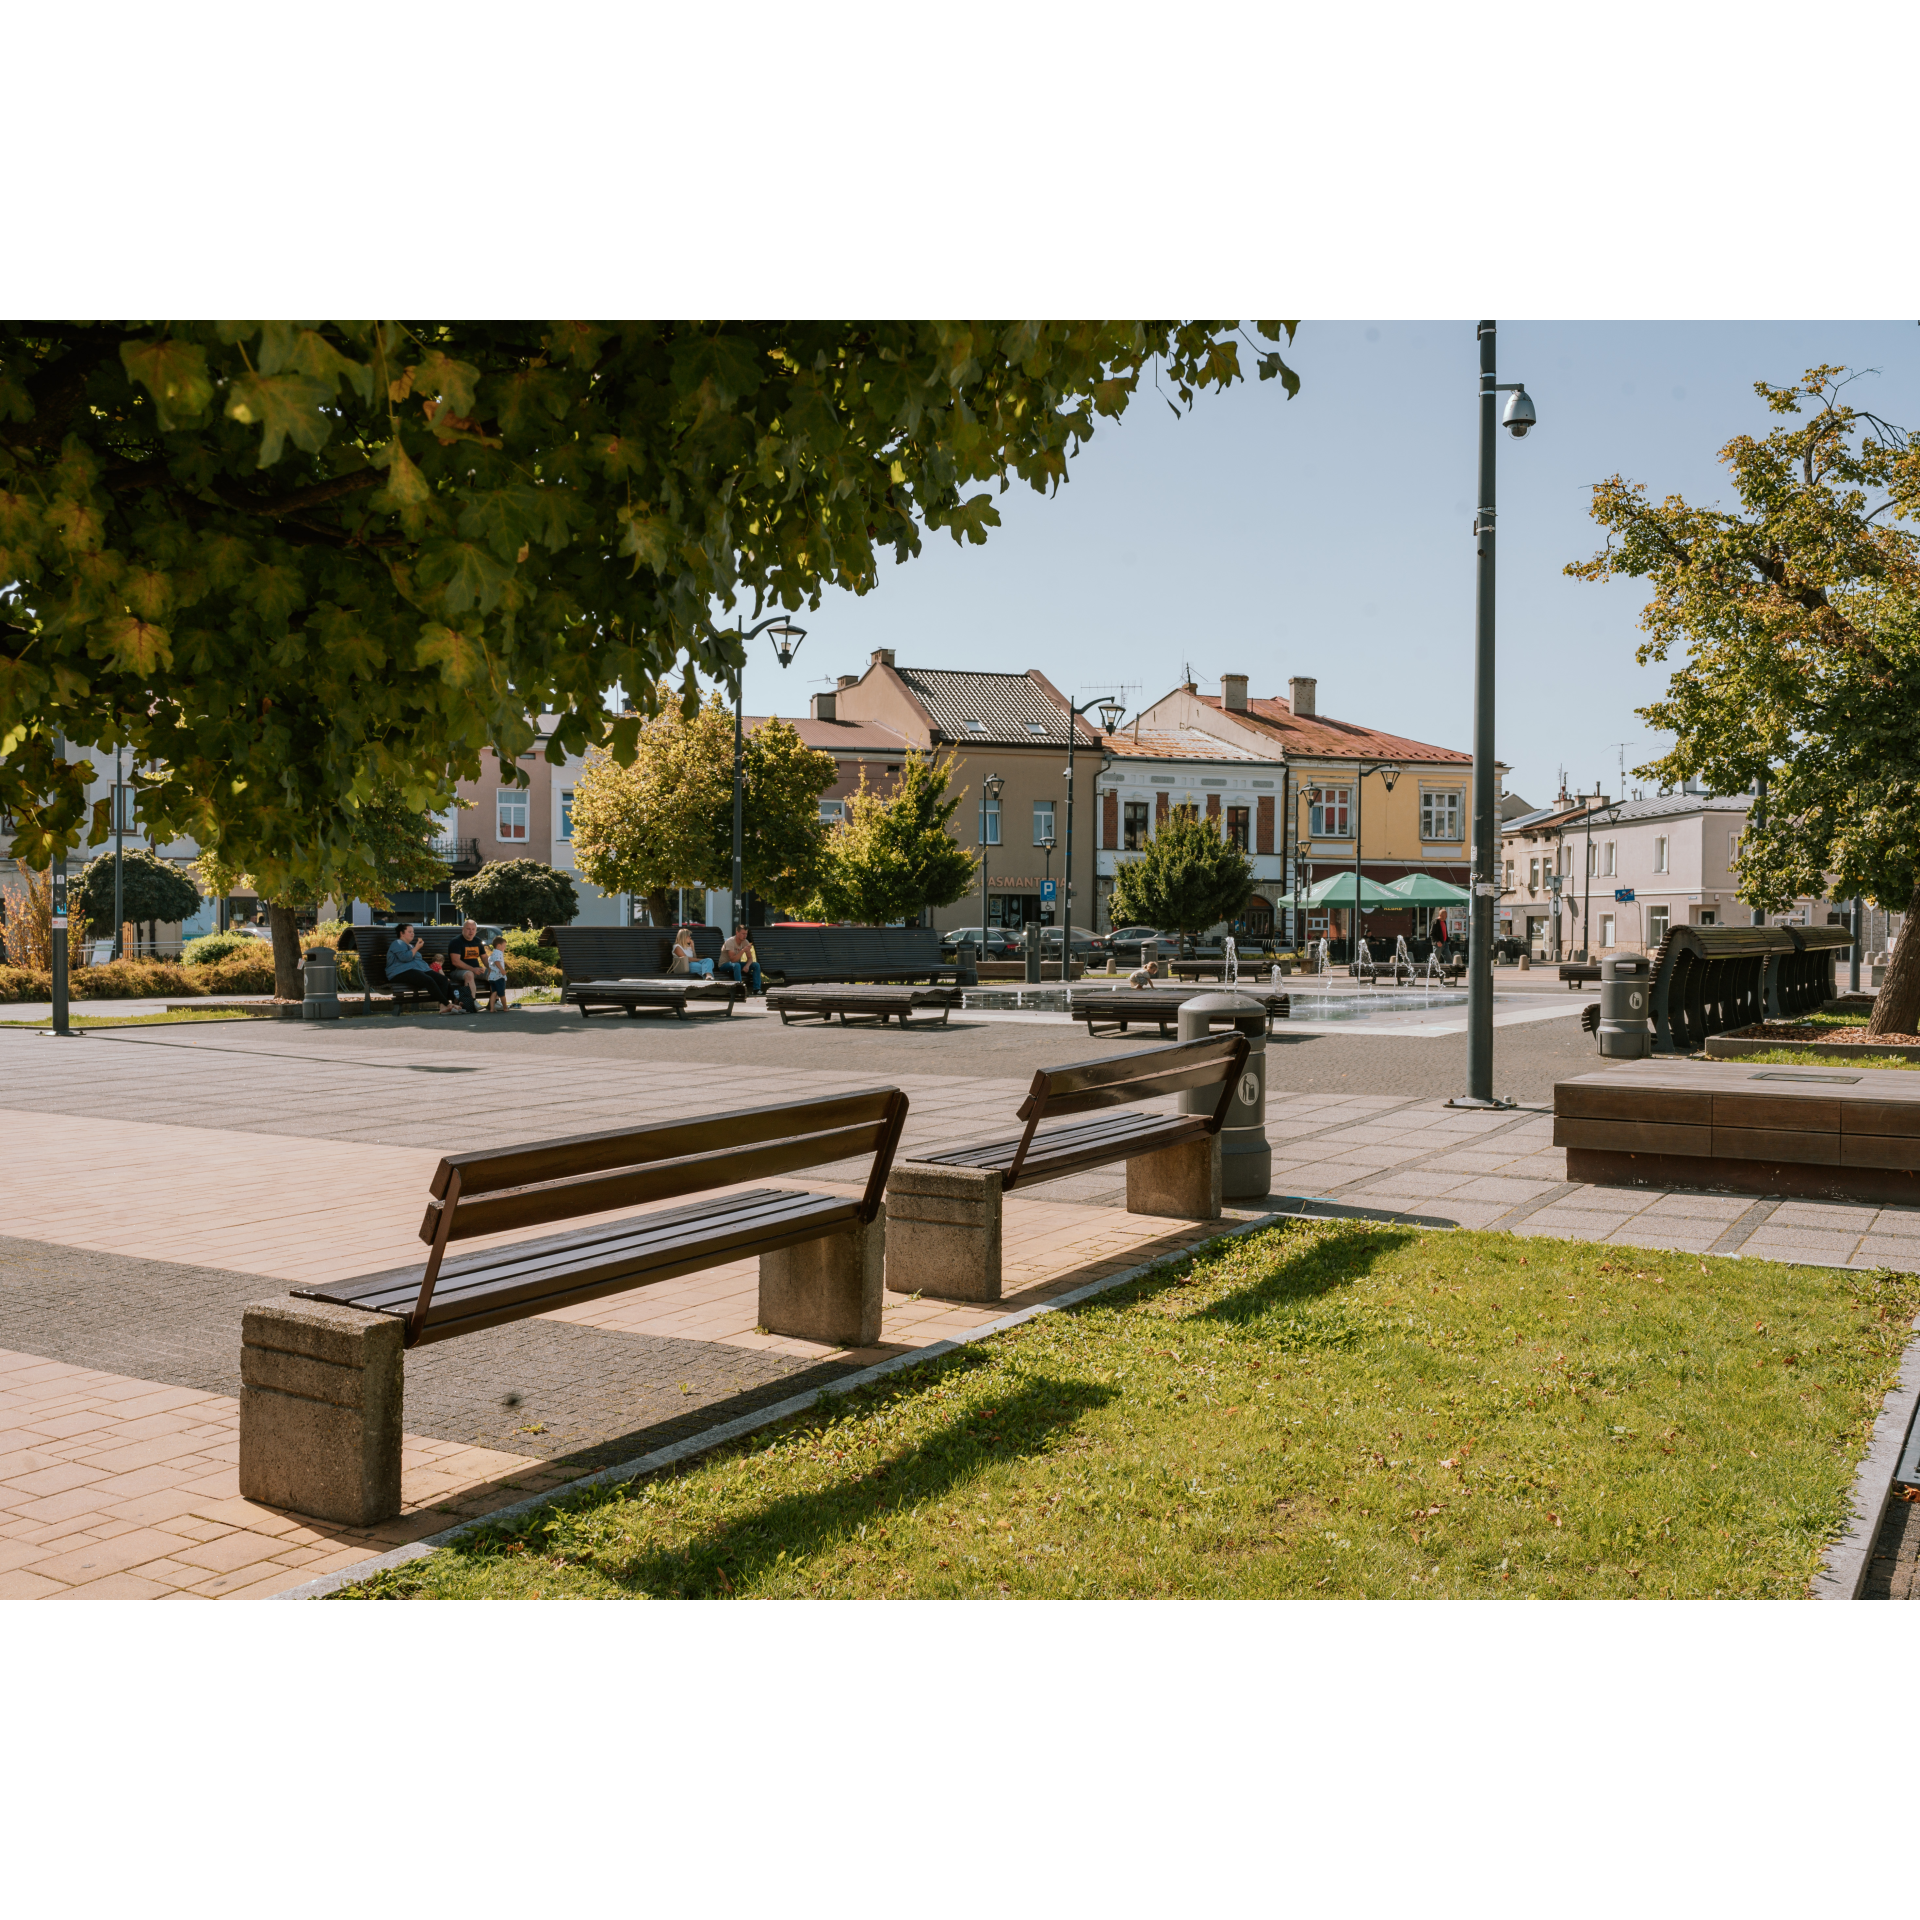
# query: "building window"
1187,810
1328,818
511,814
566,813
1042,822
1240,827
1733,849
1533,875
1660,853
976,726
1656,925
990,825
1706,917
833,811
1440,813
1606,930
1607,858
1136,826
123,809
1508,888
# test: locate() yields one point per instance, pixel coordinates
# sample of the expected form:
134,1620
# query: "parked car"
1124,943
1000,944
1086,946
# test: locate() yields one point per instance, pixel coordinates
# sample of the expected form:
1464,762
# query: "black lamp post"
786,643
1389,772
1111,713
1519,420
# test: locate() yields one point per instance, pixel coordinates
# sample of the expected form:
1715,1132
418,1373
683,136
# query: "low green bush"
210,947
23,983
523,972
526,943
240,972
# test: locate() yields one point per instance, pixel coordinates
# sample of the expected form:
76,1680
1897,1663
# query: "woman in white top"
681,959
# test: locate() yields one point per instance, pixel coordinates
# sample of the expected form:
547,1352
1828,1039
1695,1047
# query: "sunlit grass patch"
1328,1408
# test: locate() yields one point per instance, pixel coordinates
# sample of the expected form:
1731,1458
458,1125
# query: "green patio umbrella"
1427,890
1338,892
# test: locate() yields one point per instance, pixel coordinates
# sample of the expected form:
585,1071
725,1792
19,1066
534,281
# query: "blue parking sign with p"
1047,890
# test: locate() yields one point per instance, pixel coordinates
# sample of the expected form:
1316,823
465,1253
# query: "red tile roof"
854,737
1319,733
1181,743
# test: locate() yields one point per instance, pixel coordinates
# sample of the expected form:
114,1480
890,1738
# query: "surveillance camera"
1519,418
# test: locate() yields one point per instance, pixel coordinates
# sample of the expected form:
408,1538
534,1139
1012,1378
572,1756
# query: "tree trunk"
660,905
287,984
1896,1007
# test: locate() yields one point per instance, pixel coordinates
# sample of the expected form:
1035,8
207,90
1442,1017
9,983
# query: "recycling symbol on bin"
1249,1089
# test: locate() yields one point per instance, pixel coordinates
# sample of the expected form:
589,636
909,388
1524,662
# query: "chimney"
883,656
826,705
1233,692
847,680
1301,696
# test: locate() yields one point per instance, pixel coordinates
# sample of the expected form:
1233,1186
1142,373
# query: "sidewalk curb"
713,1437
1844,1566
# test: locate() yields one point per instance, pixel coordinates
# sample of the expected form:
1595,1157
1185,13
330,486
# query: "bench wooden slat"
1593,1100
493,1169
663,1180
1878,1150
1802,1113
506,1284
1809,1149
1631,1136
1888,1120
1090,1144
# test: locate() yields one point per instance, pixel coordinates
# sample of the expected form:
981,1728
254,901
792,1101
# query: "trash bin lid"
1217,1007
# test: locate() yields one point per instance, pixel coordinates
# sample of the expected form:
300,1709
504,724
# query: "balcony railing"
461,855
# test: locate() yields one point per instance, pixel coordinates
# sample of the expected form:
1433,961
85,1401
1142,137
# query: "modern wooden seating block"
1109,1010
944,1209
856,1003
676,995
831,1290
1829,1132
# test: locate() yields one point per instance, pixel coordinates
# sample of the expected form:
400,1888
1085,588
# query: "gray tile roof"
1012,708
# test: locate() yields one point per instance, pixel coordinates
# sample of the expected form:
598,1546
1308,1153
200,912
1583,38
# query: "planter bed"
1799,1036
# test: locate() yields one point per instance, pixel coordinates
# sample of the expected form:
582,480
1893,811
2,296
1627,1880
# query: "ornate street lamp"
1389,772
989,790
1111,713
786,639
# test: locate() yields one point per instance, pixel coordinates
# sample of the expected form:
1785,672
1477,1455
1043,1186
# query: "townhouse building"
1405,804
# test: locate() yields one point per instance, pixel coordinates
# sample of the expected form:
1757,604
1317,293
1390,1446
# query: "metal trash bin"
1030,939
320,970
1246,1160
966,964
1626,1007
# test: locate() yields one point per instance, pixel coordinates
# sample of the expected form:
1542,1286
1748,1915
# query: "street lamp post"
119,855
1046,883
1389,772
989,790
786,643
1519,420
1111,713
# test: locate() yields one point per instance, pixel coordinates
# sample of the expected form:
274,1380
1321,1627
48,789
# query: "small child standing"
497,975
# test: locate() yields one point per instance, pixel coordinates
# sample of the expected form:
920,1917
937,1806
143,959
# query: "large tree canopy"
282,560
1799,616
894,853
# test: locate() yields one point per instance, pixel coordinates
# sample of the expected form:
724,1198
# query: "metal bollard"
1246,1159
1626,1007
320,967
1030,938
966,968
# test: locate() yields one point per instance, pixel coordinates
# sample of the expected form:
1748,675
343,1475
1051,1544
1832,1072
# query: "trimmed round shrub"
210,947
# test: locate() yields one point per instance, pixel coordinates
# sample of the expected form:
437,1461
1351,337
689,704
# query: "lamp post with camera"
1389,772
1111,713
1519,419
786,643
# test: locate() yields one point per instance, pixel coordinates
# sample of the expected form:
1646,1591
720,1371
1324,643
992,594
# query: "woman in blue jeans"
739,962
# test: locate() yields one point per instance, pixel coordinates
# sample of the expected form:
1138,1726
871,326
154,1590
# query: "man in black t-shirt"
466,956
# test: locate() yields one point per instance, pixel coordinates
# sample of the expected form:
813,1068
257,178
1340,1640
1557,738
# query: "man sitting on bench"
406,969
739,962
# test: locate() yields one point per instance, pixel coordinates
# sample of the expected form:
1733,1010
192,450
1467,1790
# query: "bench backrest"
846,950
1091,1084
625,953
495,1189
371,944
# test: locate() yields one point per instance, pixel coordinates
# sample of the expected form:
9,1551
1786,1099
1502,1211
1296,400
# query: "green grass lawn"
1335,1408
140,1019
1803,1057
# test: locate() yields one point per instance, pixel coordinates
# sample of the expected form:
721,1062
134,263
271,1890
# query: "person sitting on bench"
680,960
466,955
738,961
405,968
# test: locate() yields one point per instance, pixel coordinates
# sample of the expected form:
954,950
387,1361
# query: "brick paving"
222,1165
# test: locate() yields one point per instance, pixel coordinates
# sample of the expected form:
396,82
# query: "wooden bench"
1827,1132
1111,1010
371,944
801,956
944,1209
1577,974
625,953
321,1384
861,1003
675,994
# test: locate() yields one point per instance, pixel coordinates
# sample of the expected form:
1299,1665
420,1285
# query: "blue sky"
1330,534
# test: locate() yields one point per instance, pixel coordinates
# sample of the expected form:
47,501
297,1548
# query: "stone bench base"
320,1404
831,1289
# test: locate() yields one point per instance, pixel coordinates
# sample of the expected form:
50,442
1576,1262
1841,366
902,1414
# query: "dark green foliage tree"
283,562
1189,878
150,889
518,893
895,853
1799,615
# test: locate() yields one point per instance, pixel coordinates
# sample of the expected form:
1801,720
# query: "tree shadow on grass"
1305,1273
732,1552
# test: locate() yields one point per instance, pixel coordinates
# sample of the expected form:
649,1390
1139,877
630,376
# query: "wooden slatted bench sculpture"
1734,1127
371,944
321,1385
862,1003
677,995
624,953
1110,1010
803,956
944,1210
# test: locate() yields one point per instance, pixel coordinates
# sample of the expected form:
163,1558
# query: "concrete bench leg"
1181,1183
943,1231
828,1289
320,1393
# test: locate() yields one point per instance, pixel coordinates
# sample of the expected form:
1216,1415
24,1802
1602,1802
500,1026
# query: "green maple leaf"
459,656
446,379
466,575
175,373
138,645
285,406
502,519
406,492
648,538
